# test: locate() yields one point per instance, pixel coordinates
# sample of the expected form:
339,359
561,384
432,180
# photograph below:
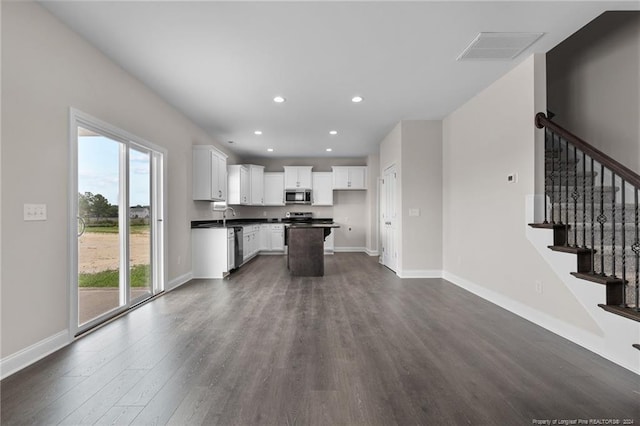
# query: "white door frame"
159,247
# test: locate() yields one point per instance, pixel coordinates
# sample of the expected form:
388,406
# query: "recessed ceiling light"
357,99
279,99
329,150
257,132
333,132
270,149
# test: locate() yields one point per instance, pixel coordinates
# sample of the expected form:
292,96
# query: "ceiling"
222,63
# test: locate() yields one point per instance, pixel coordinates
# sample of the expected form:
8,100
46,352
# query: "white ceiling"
221,63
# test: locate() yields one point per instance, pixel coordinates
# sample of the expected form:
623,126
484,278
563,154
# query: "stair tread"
597,278
626,312
570,249
548,225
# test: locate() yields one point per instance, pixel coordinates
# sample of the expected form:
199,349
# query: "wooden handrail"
618,169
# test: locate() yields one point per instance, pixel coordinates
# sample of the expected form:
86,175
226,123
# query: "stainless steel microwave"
297,196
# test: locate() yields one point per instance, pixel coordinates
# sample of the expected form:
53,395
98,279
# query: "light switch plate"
35,212
414,212
512,178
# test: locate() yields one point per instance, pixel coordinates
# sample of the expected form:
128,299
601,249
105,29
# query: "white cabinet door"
340,177
231,259
322,189
274,189
349,177
207,173
238,178
222,177
244,185
265,243
297,177
256,174
358,177
291,178
277,237
305,178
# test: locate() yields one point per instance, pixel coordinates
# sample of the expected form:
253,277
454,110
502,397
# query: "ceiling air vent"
498,46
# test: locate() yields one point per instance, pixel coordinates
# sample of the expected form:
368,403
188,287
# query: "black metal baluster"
623,213
547,176
584,201
613,224
558,178
575,196
602,219
636,250
593,225
565,172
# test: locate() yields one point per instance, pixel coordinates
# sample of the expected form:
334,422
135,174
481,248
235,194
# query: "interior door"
388,219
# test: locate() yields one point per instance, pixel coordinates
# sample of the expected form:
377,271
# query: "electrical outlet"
35,212
414,212
538,286
512,178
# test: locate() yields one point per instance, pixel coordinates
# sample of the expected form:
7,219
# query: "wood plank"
357,346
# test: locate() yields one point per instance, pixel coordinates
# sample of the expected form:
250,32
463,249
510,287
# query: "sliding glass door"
118,234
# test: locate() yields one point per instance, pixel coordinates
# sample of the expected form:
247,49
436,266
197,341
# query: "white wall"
484,217
422,191
47,68
594,85
415,147
372,201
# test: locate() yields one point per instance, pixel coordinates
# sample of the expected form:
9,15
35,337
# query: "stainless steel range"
299,217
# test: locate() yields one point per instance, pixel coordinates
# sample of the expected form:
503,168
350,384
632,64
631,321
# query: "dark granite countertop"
213,223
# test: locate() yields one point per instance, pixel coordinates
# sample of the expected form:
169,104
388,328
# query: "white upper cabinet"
297,177
246,184
322,189
256,178
349,177
238,177
209,173
274,189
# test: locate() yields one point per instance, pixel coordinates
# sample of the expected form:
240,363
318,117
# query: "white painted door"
388,219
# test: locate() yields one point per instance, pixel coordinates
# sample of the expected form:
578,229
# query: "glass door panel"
100,240
140,219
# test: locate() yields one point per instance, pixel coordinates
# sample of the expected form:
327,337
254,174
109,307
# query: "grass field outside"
110,229
140,277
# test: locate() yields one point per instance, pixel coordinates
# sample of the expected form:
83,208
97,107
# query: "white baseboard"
420,273
33,353
178,281
350,249
372,252
574,334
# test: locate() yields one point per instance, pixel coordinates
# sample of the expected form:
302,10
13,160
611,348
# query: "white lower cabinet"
271,238
251,240
276,238
212,252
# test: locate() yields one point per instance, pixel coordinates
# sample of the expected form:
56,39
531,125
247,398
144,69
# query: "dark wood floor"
358,346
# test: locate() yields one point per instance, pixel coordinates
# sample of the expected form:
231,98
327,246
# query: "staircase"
591,205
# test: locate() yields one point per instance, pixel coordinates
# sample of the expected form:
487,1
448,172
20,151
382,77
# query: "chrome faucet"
224,215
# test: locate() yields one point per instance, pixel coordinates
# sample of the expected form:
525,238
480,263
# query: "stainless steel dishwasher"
238,252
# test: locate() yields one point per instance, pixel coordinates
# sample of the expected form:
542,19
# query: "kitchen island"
306,248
